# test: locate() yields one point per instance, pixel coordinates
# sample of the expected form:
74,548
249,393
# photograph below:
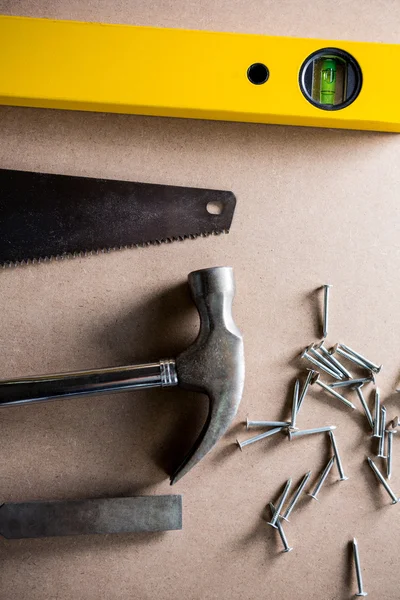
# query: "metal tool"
383,482
45,216
326,361
296,496
83,517
390,433
261,424
364,405
333,360
377,414
306,385
212,365
368,364
286,547
381,449
295,403
326,287
281,502
337,348
302,432
350,382
322,479
320,365
356,557
316,380
337,457
259,437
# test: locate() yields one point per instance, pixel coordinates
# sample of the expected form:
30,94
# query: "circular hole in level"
257,73
215,207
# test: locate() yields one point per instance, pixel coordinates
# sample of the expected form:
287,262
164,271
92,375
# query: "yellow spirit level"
199,74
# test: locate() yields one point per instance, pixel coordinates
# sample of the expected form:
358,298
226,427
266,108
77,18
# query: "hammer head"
214,363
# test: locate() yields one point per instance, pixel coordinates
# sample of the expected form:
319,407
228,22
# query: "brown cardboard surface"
314,207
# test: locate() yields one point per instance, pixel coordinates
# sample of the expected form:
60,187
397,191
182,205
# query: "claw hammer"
212,365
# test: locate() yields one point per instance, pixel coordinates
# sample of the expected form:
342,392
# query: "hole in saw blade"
215,207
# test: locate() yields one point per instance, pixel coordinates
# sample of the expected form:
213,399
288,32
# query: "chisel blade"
82,517
45,216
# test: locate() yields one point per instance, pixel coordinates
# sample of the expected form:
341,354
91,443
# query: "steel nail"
304,391
319,364
390,433
349,357
356,557
302,432
334,360
377,412
382,480
337,457
326,287
286,546
258,437
261,424
281,502
295,403
321,480
350,382
381,449
367,363
326,387
328,363
364,405
296,496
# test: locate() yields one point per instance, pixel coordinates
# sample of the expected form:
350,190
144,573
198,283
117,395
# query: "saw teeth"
83,253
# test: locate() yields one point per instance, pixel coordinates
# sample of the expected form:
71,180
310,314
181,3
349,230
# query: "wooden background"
314,207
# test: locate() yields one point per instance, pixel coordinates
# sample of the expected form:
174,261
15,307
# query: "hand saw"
45,216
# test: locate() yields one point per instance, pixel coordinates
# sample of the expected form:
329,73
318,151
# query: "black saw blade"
45,216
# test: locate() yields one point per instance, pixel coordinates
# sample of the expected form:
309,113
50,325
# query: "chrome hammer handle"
83,383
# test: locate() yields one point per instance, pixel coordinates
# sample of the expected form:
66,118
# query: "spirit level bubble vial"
199,74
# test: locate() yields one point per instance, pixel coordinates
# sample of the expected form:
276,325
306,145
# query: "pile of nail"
326,360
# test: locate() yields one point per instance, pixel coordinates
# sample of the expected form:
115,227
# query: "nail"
260,424
286,546
304,391
395,422
382,480
349,357
334,360
317,381
390,434
296,496
258,437
364,405
295,402
367,363
302,432
321,480
281,503
328,363
381,449
350,382
326,287
337,457
319,364
358,569
377,412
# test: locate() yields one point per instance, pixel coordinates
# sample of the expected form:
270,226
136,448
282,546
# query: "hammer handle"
83,383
